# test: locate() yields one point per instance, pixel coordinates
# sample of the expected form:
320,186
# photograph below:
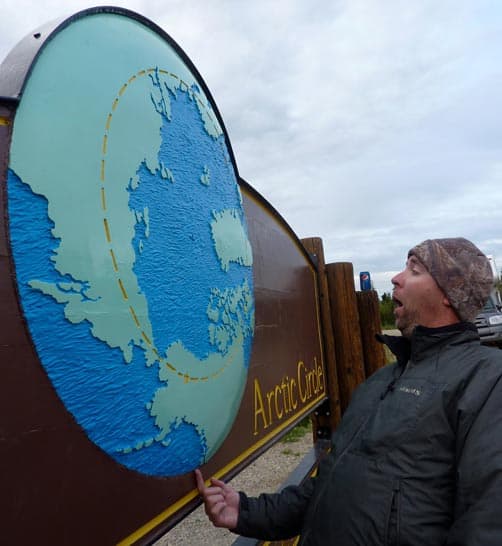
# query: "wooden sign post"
345,320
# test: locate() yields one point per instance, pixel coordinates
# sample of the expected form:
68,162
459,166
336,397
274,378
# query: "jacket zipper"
392,528
391,386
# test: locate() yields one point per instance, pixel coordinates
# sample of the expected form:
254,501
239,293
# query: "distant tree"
498,284
386,311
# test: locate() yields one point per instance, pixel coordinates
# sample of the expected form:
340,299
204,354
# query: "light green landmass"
204,414
230,239
231,315
77,305
166,173
143,218
205,177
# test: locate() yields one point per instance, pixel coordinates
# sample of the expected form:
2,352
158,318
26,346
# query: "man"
417,458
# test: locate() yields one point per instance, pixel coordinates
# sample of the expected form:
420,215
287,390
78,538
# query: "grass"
299,431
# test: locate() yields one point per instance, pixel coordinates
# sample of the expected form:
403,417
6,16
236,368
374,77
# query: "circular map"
130,246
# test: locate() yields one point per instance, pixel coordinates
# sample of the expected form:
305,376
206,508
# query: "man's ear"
450,310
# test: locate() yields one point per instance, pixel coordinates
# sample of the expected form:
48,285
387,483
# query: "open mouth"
397,303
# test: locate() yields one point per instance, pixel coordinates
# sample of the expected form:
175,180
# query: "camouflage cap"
461,270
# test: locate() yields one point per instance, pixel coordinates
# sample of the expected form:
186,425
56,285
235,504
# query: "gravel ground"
266,474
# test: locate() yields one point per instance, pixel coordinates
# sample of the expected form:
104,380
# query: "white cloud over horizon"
371,125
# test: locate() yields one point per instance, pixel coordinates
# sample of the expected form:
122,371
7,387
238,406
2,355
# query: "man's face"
417,298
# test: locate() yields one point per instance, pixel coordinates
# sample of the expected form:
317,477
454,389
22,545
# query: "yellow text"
281,400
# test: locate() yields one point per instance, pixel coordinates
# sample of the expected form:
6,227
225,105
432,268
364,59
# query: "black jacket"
416,460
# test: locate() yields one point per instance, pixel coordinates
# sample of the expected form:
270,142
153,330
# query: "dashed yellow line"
122,289
104,146
135,318
103,199
107,230
114,261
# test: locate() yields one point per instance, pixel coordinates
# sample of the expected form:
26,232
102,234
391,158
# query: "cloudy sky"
373,125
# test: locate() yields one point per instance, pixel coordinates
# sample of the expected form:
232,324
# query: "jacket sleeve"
274,516
478,507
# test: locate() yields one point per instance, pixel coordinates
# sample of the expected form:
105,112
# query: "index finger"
200,480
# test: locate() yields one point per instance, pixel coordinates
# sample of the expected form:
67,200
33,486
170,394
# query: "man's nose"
396,279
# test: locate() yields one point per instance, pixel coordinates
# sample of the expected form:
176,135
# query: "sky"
373,125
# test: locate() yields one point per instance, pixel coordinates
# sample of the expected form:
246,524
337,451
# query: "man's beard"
408,324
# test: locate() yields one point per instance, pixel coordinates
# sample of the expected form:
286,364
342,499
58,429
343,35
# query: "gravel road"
266,474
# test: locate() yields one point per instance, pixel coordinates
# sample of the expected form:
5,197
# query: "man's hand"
221,502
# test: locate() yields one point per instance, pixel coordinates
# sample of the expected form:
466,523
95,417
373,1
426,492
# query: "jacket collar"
424,339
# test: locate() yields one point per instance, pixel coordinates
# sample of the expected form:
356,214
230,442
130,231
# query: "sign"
157,313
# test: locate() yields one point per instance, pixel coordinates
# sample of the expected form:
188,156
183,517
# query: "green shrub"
387,311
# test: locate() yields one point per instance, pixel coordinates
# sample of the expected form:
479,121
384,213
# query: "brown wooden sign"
157,313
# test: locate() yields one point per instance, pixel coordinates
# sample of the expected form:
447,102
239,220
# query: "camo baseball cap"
461,270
